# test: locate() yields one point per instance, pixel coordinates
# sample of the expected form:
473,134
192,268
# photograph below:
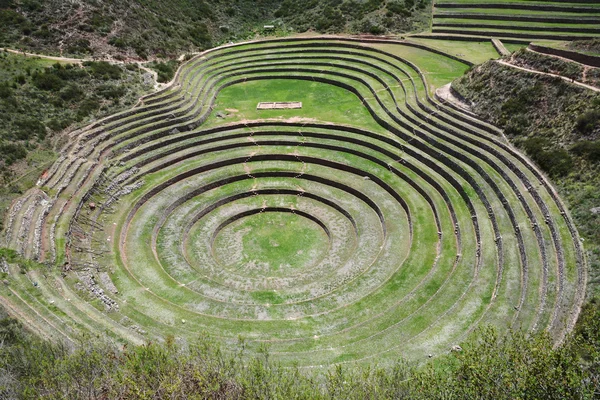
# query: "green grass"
275,240
475,26
475,30
509,12
475,52
438,70
320,102
393,279
512,24
513,47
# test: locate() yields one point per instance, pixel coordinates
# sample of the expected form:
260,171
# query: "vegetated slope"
485,369
40,98
586,46
353,16
555,122
522,19
140,29
434,225
576,72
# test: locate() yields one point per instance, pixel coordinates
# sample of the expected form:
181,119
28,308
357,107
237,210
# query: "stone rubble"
87,279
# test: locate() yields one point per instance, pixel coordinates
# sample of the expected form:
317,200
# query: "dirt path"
499,46
66,59
559,57
595,89
157,85
445,93
154,74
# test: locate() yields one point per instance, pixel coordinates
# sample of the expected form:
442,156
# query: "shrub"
587,121
87,107
80,46
332,20
11,152
103,69
5,91
21,79
396,7
111,91
28,128
517,125
200,36
516,366
48,81
555,161
59,124
71,93
587,149
117,42
166,70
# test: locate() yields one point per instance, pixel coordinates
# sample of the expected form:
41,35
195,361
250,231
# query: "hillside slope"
148,28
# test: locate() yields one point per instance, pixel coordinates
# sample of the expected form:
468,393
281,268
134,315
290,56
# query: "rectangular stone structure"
282,105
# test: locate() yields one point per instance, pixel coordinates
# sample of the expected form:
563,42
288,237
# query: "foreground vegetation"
488,367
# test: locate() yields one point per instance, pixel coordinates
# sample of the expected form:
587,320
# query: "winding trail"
66,59
157,85
595,89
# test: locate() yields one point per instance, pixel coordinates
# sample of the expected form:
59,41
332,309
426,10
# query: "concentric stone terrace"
374,223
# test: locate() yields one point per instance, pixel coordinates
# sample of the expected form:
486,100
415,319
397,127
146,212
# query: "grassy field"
374,223
320,102
517,19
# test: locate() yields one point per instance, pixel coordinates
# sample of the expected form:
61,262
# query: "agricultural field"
376,222
518,19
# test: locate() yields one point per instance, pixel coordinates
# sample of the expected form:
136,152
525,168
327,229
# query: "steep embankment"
555,121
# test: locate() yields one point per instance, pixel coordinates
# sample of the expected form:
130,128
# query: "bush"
67,72
5,91
80,46
71,93
103,69
87,107
517,366
117,42
21,79
517,125
587,149
26,129
555,161
166,70
48,81
59,124
396,7
11,152
111,92
331,21
588,121
200,36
